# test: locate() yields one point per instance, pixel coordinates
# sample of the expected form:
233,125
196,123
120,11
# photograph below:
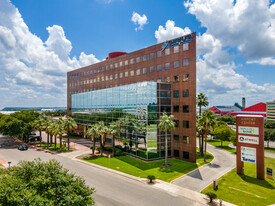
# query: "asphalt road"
111,189
198,179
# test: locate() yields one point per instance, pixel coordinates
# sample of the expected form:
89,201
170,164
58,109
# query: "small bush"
211,196
91,147
108,149
151,178
119,152
98,148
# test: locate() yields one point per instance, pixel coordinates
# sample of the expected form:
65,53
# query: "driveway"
200,178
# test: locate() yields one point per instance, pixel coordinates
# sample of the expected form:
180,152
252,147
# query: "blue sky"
41,40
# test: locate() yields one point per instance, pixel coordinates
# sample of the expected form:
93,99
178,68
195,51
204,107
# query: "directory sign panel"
248,154
248,139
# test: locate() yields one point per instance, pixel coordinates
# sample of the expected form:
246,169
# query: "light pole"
9,164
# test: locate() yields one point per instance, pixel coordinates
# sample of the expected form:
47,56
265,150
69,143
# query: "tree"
202,100
93,132
38,124
45,127
208,122
102,130
60,130
269,135
166,124
42,183
222,133
114,130
69,125
51,130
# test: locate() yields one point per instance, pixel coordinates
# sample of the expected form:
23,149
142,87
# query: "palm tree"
38,124
200,132
60,130
114,130
46,125
202,100
209,122
93,132
102,130
51,130
69,125
166,124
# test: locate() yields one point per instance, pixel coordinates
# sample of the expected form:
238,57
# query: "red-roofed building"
256,109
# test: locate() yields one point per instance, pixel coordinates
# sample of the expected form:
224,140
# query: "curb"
39,149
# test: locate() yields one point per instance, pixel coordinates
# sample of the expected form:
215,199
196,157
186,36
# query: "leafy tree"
222,133
202,100
166,124
11,126
269,135
38,124
42,183
93,132
69,125
269,124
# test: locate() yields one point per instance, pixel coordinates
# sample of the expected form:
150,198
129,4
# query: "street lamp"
9,164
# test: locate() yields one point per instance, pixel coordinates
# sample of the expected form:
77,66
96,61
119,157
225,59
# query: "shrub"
119,152
151,178
91,147
211,196
98,148
108,149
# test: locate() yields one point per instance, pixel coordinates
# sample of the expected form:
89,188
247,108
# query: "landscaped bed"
246,189
142,169
51,148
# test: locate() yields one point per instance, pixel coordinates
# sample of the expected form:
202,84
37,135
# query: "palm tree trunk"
68,143
93,145
40,138
200,142
48,136
113,142
205,149
166,149
101,146
60,142
200,110
202,145
51,140
54,142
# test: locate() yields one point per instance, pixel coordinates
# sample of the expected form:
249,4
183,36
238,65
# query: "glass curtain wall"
137,108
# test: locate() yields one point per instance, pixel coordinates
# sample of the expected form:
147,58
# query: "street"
111,188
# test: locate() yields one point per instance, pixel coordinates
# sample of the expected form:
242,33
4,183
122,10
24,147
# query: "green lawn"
142,169
246,189
152,142
269,149
44,146
225,145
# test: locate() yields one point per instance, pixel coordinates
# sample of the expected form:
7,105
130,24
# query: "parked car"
23,147
34,138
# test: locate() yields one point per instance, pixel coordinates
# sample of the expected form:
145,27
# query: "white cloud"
170,31
263,61
30,67
139,20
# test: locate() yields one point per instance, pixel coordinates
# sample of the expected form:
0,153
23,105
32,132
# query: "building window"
115,76
176,64
159,80
176,108
176,49
138,60
185,108
120,74
106,78
151,69
159,67
176,93
111,66
138,72
185,47
167,51
151,56
102,69
167,79
176,79
144,70
106,68
185,140
185,62
126,74
158,53
126,62
132,73
94,79
121,64
176,123
144,57
176,153
176,137
111,77
98,70
116,65
185,77
132,61
91,80
185,124
185,155
185,93
167,66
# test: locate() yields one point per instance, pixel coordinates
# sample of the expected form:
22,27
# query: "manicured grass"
142,169
152,142
225,145
246,189
44,146
269,149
